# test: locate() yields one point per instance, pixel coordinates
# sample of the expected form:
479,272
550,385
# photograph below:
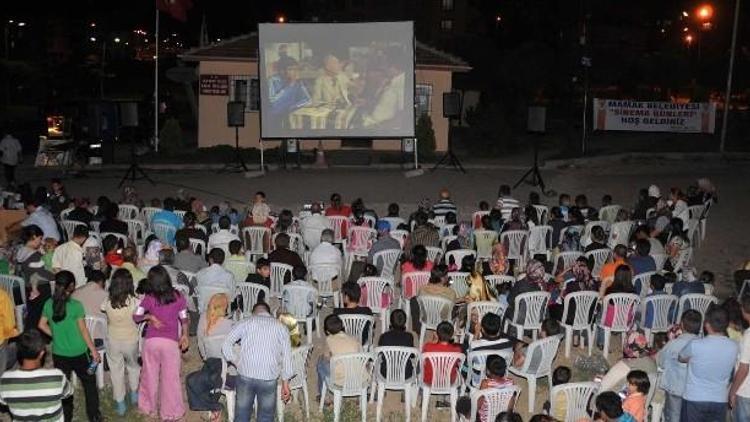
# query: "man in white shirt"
11,155
41,217
299,273
739,393
675,372
222,238
313,226
214,279
69,255
325,254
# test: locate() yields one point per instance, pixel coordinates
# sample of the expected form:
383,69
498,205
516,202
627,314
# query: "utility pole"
728,93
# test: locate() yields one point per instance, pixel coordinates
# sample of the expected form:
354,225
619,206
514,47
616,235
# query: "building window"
246,89
446,24
447,5
423,99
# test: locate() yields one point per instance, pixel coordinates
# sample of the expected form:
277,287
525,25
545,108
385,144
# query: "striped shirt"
506,205
265,349
443,207
35,395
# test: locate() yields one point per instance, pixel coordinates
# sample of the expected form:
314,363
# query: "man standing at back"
265,356
505,203
710,363
445,205
11,155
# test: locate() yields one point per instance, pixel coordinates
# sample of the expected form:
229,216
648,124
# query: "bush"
170,137
425,136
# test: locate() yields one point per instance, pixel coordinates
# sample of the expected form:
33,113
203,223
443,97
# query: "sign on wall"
215,85
654,116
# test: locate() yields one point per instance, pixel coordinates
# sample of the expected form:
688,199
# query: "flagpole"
156,85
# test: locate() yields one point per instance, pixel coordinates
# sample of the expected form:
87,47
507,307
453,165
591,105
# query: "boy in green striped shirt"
31,392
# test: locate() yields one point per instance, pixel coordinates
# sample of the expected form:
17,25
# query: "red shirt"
344,211
113,259
438,347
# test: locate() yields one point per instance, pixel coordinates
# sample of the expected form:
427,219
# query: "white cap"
654,191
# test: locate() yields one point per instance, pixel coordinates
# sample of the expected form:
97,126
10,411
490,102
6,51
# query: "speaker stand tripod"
450,159
238,166
134,172
533,176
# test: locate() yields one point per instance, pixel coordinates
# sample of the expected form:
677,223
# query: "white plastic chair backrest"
655,381
361,238
249,293
476,218
625,305
64,213
296,243
70,225
540,239
388,259
548,347
542,213
536,306
324,275
354,325
578,396
180,213
584,302
476,360
370,220
96,326
214,228
446,240
147,213
660,259
661,305
696,301
394,222
434,254
487,237
127,212
459,282
482,308
400,236
693,231
590,226
619,233
297,301
95,226
376,287
300,355
136,230
7,282
496,401
411,282
198,246
256,239
496,280
600,256
339,224
457,256
642,283
609,213
696,211
163,231
356,368
433,309
439,220
444,365
121,238
576,228
278,274
396,359
516,241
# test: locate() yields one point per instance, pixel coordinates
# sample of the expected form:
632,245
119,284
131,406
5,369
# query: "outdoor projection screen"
337,80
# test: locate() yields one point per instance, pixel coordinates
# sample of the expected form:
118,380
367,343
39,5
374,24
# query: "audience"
69,256
92,294
338,342
214,278
221,238
186,259
282,254
609,408
635,401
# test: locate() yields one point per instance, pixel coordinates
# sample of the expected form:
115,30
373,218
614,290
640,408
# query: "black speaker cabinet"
452,105
236,114
129,114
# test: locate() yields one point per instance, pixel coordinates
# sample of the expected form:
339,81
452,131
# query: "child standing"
635,401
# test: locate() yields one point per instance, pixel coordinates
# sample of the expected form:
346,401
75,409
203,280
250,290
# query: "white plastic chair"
642,283
296,242
136,231
600,257
661,321
533,368
198,246
496,280
361,238
278,275
457,255
300,356
444,366
586,235
625,306
566,258
355,326
540,240
97,328
660,259
432,311
340,225
565,230
535,307
249,293
434,254
388,260
127,212
396,360
485,238
63,214
517,241
609,213
481,308
376,288
542,213
147,213
459,282
619,233
356,368
298,304
585,304
7,282
476,361
323,275
257,240
228,392
410,284
695,301
578,398
496,401
69,225
400,236
164,232
683,259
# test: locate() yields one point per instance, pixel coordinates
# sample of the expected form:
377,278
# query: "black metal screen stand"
533,176
238,166
134,172
450,159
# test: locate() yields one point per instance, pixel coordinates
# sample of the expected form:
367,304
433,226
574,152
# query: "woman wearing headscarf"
576,278
295,336
213,322
463,240
533,281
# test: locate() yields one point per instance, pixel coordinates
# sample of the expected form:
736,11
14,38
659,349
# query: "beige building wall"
212,112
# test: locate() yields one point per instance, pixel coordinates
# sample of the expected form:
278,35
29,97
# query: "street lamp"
689,40
281,19
22,24
117,40
705,12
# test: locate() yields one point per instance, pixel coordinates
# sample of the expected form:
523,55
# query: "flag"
175,8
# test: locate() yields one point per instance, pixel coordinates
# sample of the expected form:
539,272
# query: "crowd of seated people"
154,291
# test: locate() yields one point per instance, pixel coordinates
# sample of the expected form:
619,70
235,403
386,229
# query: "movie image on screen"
337,80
